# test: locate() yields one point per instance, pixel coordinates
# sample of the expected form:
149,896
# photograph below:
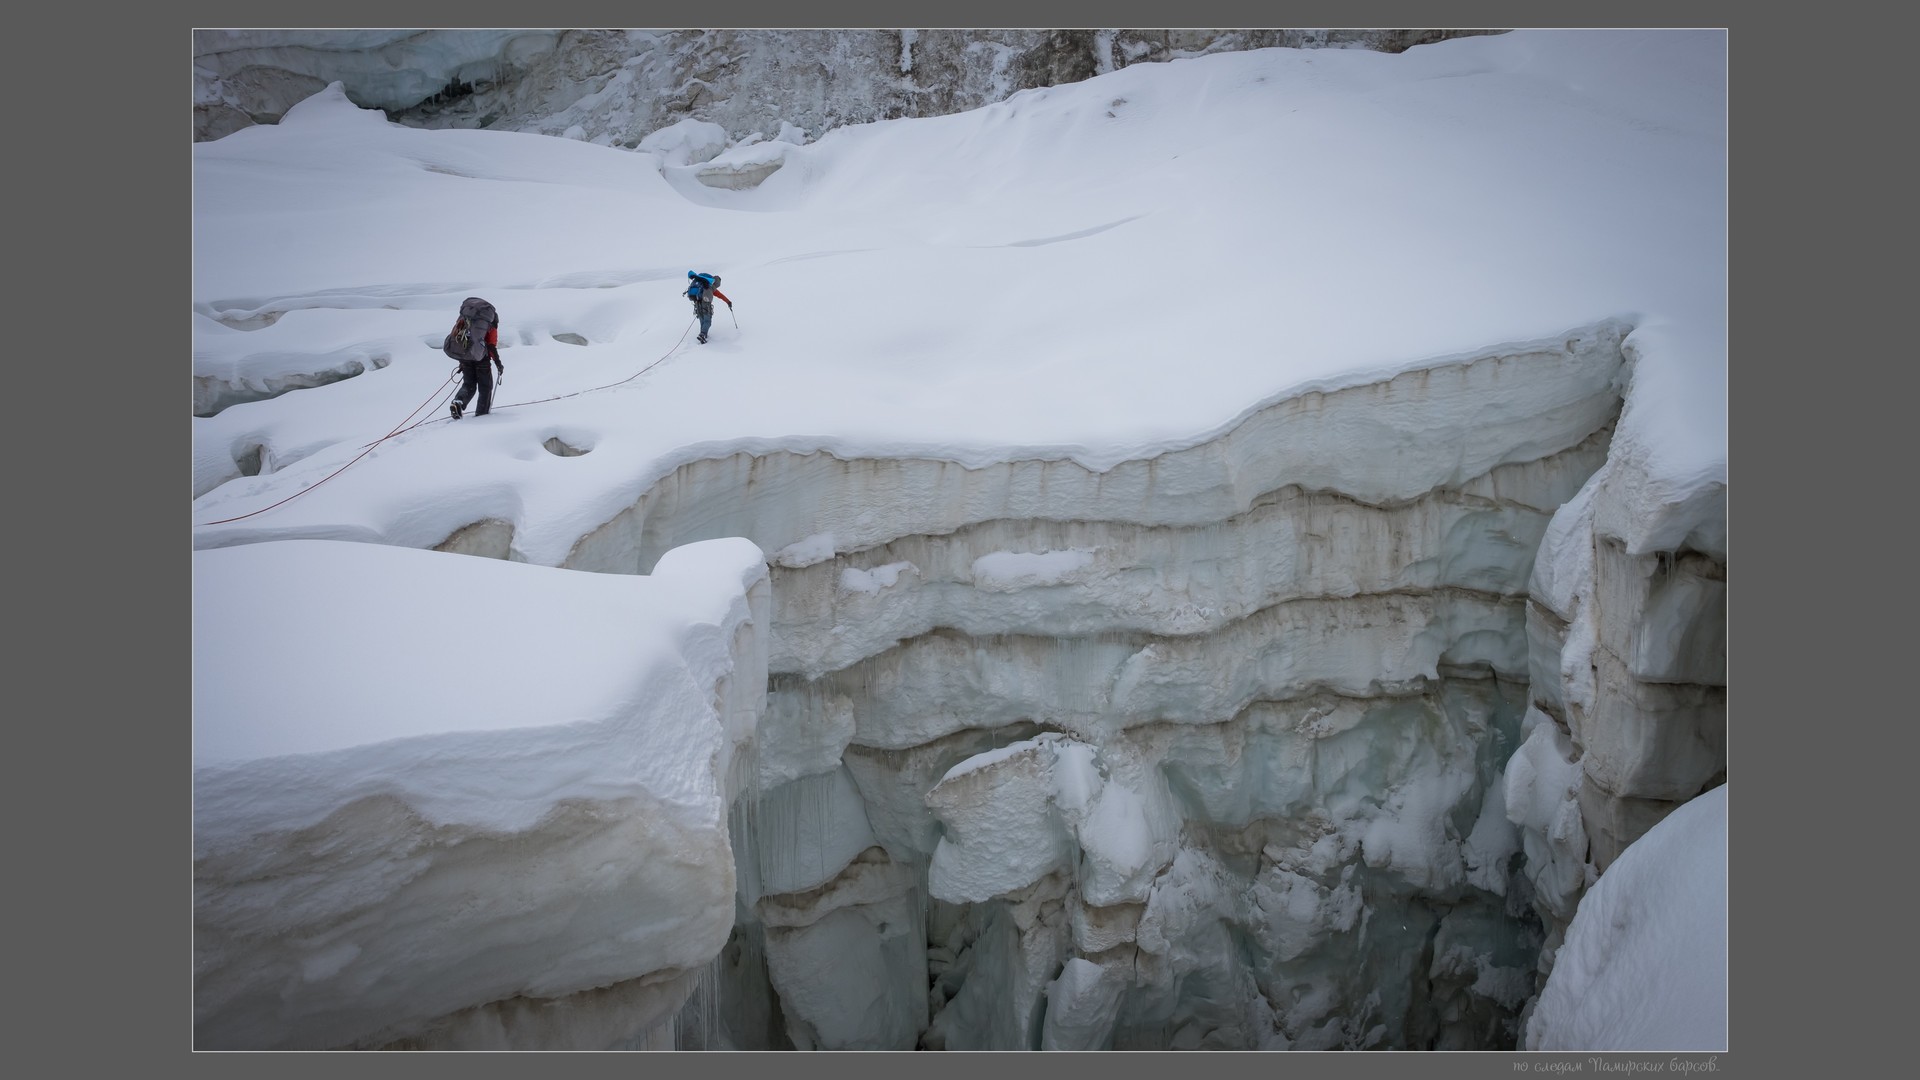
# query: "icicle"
697,1025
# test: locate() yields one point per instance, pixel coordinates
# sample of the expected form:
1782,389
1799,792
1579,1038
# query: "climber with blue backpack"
701,289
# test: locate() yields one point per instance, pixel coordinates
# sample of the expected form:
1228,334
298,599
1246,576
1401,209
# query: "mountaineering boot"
454,409
702,339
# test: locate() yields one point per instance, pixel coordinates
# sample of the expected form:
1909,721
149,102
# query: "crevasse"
1214,749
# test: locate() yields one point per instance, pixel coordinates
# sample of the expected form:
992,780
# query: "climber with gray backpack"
475,341
701,289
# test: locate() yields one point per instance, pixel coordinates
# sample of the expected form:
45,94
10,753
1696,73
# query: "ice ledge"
1113,837
397,871
1380,443
213,393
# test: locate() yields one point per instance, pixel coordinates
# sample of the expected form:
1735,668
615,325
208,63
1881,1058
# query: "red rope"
611,385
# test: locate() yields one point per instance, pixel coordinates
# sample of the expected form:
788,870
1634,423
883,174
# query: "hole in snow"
257,321
558,448
571,339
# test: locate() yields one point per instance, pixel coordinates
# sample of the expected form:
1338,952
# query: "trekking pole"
735,318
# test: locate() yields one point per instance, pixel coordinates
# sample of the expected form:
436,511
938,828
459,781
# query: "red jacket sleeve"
493,336
722,296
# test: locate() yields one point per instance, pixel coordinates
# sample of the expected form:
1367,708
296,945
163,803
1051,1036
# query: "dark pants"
704,309
476,374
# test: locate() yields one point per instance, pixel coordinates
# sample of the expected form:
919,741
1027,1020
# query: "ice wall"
1206,749
618,86
1627,673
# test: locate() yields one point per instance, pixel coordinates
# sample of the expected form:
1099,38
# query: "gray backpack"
468,338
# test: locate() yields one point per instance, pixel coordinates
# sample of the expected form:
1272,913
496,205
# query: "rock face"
618,86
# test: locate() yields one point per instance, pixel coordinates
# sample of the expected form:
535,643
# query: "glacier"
845,685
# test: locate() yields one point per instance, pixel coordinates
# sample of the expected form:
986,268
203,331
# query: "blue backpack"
701,286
